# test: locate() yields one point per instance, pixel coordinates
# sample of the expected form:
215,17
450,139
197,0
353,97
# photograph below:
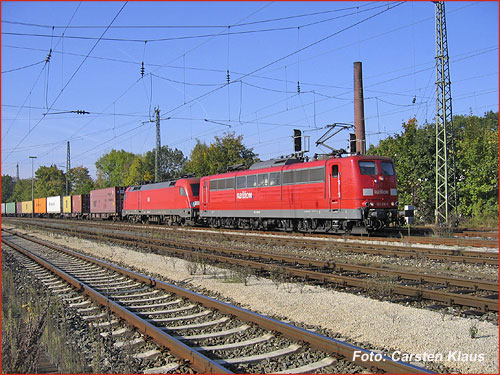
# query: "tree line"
476,154
122,168
413,152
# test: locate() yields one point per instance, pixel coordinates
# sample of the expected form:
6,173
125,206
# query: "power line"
185,26
67,83
23,67
289,55
187,37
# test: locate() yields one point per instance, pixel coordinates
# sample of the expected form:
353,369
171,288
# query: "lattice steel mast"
446,189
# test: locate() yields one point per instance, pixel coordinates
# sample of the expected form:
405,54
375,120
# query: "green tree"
8,185
171,164
113,168
138,173
476,145
49,181
477,164
413,153
22,191
223,152
198,163
80,180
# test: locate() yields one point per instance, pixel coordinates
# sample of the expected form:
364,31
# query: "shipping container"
67,204
27,208
10,208
40,206
80,205
19,208
106,203
3,208
54,205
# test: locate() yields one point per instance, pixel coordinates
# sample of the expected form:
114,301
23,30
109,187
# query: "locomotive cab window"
368,168
182,191
335,170
387,168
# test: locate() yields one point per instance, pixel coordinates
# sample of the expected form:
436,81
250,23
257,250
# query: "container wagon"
19,208
3,209
54,206
10,209
40,206
27,208
107,203
66,205
80,206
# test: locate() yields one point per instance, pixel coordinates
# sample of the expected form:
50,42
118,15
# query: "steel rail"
484,304
323,265
409,251
316,340
198,361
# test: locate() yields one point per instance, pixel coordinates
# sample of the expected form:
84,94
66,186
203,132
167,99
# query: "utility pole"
68,167
158,145
17,172
446,189
32,187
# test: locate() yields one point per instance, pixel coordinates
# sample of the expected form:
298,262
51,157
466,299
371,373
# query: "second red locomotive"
170,202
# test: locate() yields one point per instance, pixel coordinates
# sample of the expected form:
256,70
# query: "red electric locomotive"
170,202
356,193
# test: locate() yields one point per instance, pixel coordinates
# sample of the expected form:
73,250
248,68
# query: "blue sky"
267,47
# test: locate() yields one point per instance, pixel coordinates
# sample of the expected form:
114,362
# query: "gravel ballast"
408,330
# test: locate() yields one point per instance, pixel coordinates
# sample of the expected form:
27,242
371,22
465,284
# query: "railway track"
205,334
397,249
391,284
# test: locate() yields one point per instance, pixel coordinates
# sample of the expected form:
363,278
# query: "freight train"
337,195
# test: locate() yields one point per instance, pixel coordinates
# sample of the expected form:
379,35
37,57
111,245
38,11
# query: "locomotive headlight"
368,204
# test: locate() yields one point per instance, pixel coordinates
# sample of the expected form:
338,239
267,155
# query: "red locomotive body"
334,195
106,203
171,202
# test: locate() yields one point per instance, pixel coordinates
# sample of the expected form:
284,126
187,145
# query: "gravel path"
381,324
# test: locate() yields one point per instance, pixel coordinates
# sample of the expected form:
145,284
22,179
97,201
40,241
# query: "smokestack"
359,109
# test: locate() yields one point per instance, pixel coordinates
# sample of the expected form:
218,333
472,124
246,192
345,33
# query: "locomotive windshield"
387,168
368,168
195,188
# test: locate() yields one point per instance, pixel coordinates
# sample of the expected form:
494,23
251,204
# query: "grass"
34,322
23,323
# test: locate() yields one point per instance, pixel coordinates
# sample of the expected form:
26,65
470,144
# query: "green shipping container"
10,208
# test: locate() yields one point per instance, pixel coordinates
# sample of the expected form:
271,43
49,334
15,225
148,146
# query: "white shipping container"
3,208
54,205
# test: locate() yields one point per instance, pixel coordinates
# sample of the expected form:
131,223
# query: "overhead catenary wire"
23,67
268,87
187,26
69,80
187,37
